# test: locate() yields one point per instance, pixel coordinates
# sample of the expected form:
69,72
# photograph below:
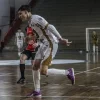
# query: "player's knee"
35,67
22,60
43,71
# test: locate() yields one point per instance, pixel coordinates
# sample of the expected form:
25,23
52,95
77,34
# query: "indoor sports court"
75,20
86,86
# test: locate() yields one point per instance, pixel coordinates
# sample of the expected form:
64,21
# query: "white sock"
36,80
57,72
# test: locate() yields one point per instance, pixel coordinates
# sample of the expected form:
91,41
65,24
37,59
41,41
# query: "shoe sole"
39,96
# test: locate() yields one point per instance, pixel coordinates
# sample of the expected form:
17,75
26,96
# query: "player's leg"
18,46
46,62
36,73
25,55
36,78
69,73
45,71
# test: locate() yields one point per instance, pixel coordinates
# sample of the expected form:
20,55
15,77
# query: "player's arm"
53,30
42,23
35,45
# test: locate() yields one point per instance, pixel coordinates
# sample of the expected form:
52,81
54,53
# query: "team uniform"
20,38
95,39
49,44
29,31
30,50
95,42
48,41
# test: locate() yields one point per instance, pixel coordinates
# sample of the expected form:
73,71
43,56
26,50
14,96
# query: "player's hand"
65,41
35,45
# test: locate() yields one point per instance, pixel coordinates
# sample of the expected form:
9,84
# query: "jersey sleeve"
53,30
39,21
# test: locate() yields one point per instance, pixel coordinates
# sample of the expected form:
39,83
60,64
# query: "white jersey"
20,36
37,23
49,45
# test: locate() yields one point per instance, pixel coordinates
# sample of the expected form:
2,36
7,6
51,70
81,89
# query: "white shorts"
19,44
44,52
55,48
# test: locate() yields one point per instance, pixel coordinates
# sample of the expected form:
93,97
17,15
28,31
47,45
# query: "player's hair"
25,7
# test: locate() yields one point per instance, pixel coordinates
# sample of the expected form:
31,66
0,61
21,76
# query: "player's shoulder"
22,33
37,17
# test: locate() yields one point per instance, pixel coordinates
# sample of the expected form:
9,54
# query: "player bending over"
50,37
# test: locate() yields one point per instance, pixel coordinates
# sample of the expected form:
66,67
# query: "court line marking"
86,71
75,74
67,84
28,62
85,97
93,73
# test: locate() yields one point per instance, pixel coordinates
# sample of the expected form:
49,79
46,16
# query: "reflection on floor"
87,73
28,62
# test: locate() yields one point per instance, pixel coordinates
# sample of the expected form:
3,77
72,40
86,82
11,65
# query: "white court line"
28,62
84,97
93,73
86,71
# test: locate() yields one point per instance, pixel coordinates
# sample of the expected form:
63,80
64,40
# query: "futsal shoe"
21,81
35,94
71,75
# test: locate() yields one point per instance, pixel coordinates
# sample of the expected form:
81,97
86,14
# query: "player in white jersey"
48,36
95,42
19,39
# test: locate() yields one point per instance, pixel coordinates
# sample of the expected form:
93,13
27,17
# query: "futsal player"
19,39
43,57
28,52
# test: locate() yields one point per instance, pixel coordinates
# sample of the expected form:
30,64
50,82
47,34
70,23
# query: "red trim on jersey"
29,31
30,46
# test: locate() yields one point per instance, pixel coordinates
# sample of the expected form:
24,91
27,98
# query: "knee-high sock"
57,72
22,70
36,79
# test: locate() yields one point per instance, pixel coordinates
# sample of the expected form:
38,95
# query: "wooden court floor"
87,73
